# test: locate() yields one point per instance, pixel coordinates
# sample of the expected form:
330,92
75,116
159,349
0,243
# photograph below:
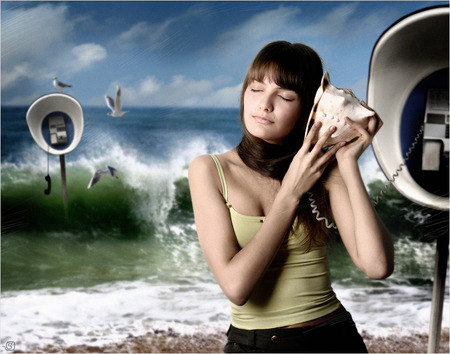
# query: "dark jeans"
338,335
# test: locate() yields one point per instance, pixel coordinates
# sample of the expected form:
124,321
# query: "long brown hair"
296,67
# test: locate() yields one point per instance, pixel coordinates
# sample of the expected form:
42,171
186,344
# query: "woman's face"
270,111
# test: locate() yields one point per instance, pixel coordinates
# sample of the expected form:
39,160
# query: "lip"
262,120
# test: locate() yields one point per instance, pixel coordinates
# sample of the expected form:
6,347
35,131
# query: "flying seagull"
115,105
109,171
59,85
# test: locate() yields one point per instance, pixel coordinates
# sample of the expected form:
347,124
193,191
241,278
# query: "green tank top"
296,287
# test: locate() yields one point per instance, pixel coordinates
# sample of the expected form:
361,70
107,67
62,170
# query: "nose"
266,103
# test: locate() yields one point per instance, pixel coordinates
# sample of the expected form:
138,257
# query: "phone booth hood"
56,123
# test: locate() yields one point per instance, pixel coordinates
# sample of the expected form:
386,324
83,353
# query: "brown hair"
296,67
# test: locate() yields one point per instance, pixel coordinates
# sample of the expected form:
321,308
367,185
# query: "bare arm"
238,270
362,231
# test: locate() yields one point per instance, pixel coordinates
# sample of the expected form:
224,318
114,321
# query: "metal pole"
437,300
62,162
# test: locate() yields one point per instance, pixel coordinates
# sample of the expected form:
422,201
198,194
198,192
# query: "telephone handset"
47,178
49,185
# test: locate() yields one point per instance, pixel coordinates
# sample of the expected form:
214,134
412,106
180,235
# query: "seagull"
109,171
59,85
115,106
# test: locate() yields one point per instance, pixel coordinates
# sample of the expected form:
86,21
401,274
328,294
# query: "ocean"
126,260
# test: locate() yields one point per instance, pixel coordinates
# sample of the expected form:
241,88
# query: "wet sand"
169,341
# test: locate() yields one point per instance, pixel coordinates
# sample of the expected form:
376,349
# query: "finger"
372,126
322,140
314,131
311,136
358,126
365,105
330,154
366,134
379,123
325,163
377,117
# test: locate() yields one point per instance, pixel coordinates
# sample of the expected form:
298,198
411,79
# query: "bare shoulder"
201,164
204,178
203,173
205,164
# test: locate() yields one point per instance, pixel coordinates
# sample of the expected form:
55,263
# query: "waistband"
262,338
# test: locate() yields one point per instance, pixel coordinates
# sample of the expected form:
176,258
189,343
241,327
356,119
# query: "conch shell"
331,106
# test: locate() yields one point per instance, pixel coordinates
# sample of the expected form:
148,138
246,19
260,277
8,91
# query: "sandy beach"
169,341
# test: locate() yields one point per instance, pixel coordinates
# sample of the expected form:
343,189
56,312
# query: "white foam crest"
397,309
32,162
185,250
155,180
150,177
409,252
396,305
108,313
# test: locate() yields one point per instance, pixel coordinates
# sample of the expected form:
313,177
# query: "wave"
149,204
150,194
112,312
136,226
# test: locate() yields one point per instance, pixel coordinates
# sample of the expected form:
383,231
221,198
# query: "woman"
257,233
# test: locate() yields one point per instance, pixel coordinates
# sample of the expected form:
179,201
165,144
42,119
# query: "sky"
178,53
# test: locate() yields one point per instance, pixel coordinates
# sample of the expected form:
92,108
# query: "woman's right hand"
309,163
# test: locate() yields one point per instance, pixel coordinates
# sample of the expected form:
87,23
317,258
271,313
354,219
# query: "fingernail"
332,128
317,124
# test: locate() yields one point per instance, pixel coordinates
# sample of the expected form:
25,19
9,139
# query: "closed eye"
286,99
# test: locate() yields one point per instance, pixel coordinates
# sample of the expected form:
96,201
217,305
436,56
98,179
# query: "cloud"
152,35
45,39
180,91
233,50
333,24
245,39
27,30
35,45
261,26
161,34
85,55
325,29
11,77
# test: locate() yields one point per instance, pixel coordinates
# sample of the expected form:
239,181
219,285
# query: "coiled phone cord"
314,210
379,197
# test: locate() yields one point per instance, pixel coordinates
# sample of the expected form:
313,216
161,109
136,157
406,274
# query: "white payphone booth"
408,87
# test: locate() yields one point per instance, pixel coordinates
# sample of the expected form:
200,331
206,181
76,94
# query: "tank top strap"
222,179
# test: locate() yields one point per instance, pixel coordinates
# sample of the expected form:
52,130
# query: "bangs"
278,73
